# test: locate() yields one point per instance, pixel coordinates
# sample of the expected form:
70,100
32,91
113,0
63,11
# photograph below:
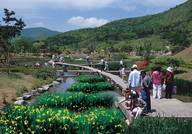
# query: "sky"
66,15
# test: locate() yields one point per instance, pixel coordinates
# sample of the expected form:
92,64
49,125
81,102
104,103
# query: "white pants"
136,89
138,111
155,89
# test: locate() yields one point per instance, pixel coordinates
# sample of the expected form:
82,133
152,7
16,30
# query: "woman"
168,82
157,75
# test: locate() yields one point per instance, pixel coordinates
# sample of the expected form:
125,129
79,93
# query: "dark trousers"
168,91
146,97
102,67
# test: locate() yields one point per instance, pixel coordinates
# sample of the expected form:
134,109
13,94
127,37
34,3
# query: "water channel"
66,81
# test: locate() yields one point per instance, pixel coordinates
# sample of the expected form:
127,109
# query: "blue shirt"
134,79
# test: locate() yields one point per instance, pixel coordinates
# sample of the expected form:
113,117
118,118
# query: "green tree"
12,29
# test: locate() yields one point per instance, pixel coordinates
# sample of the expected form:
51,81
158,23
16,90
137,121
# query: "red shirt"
169,77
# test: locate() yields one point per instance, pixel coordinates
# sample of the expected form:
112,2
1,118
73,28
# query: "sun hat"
169,69
134,66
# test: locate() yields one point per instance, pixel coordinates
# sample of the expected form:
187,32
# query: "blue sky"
66,15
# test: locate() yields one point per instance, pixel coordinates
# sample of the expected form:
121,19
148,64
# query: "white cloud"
40,24
89,22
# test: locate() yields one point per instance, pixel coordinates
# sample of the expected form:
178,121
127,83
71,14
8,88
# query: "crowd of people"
140,86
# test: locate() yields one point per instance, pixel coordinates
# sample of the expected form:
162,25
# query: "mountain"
36,33
169,25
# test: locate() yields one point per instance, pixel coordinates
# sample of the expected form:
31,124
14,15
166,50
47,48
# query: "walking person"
121,63
106,66
87,59
146,90
123,71
157,75
169,82
54,67
102,64
134,81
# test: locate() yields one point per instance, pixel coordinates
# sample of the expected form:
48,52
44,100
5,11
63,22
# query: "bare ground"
9,85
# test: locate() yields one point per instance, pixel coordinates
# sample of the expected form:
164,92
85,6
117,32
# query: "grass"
10,83
185,54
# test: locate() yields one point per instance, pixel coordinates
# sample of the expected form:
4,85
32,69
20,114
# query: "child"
65,69
127,92
137,105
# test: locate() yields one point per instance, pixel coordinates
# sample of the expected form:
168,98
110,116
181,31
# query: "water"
67,80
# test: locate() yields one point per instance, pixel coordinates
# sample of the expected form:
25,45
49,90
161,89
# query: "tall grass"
90,79
76,101
158,125
184,87
91,88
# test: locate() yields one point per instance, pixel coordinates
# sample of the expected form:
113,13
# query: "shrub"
121,56
143,64
21,90
90,79
183,86
38,83
42,73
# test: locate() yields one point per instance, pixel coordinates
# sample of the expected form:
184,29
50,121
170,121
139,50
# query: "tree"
23,43
7,32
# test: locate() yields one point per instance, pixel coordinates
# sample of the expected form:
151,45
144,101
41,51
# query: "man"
146,90
102,64
134,81
87,58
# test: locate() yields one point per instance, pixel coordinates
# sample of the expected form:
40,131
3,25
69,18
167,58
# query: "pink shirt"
157,77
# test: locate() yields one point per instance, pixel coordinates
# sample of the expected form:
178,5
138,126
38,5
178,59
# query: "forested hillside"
173,26
35,33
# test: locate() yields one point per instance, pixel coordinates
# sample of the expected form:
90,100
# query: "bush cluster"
21,90
91,88
90,79
143,64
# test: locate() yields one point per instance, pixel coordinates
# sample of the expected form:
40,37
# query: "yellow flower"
33,132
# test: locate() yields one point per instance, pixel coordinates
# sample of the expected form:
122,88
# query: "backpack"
121,71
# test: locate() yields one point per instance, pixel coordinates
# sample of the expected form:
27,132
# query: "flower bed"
77,101
69,112
92,88
31,119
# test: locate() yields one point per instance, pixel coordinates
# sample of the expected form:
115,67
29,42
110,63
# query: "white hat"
169,69
134,66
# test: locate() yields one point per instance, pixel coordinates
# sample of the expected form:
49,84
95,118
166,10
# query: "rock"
35,93
55,83
50,85
19,102
27,97
1,109
59,80
25,94
40,90
46,87
19,98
